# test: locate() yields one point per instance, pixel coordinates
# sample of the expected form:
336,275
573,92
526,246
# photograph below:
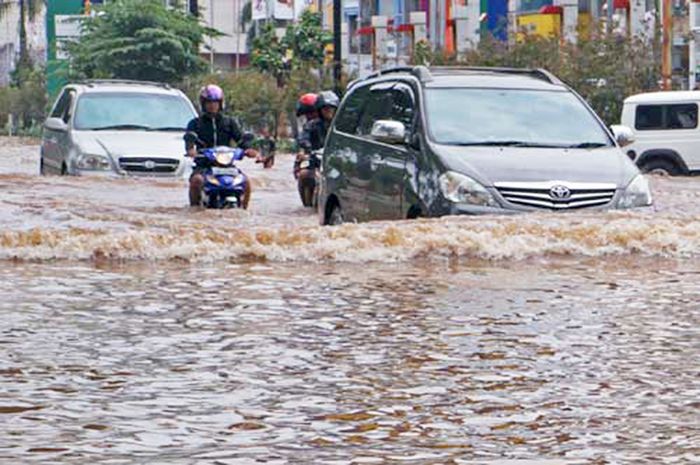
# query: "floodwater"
136,331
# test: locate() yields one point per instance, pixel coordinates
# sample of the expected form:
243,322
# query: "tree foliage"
139,39
302,47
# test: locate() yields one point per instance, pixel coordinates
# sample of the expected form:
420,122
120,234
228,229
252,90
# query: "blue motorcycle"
224,184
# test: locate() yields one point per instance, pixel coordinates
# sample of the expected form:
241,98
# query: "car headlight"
93,162
463,189
637,194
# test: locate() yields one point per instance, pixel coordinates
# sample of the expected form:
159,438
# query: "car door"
385,164
342,161
57,143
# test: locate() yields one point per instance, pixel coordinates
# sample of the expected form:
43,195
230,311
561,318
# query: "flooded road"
134,330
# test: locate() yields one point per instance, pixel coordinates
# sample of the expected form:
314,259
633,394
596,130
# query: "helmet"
211,93
327,99
306,104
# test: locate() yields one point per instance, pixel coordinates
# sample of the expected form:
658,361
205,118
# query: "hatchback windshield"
512,117
132,111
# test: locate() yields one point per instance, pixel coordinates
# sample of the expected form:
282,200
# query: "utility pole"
211,39
692,45
237,31
337,53
667,41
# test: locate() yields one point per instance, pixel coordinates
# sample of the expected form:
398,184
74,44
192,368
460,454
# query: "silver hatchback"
118,128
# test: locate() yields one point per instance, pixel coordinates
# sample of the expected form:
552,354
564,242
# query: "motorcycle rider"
307,113
213,129
314,134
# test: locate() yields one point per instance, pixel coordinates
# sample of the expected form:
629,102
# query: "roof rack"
424,73
92,82
537,73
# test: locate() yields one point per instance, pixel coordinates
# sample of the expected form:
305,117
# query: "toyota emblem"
559,192
149,164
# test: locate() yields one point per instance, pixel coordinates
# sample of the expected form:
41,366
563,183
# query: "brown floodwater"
135,330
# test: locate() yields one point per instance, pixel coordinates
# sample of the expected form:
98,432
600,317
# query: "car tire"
660,166
42,167
335,216
64,169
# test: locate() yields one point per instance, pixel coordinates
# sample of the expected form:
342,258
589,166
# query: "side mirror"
623,135
389,132
56,124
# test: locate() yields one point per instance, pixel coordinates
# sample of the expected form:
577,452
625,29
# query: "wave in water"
492,238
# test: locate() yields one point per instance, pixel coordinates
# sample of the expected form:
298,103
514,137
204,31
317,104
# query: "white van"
667,135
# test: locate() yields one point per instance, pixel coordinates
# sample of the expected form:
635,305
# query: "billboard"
283,9
260,9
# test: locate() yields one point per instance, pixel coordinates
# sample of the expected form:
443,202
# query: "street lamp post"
337,53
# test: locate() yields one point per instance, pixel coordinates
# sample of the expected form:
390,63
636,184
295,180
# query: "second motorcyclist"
212,129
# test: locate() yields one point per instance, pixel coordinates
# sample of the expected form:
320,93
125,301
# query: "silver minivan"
116,127
411,142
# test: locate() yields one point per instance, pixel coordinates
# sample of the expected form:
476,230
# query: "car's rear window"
113,109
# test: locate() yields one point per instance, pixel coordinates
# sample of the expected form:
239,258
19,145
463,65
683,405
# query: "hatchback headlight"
93,162
463,189
636,194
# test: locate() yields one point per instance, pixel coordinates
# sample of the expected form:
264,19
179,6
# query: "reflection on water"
555,362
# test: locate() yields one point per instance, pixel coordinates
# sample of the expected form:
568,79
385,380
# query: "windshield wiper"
168,128
501,143
121,126
587,145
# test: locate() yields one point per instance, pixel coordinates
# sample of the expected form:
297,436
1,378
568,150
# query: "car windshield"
132,111
511,117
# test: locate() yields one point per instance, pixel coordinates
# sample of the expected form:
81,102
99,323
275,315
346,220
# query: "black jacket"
213,132
313,135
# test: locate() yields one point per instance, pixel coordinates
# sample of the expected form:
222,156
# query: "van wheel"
660,166
335,217
413,213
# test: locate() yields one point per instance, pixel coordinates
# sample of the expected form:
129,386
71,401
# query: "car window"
403,105
69,108
471,116
350,113
379,106
62,104
114,109
662,117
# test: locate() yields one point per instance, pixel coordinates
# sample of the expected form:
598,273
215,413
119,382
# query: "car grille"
148,165
557,195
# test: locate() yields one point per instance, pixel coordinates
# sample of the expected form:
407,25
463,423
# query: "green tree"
307,40
140,39
302,47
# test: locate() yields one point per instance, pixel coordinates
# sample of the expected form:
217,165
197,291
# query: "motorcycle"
224,184
309,176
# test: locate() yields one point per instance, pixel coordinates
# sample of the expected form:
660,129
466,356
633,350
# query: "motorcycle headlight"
463,189
636,194
93,162
238,180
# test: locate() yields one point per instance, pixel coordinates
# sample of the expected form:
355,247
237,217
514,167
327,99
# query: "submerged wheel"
660,166
335,216
42,168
